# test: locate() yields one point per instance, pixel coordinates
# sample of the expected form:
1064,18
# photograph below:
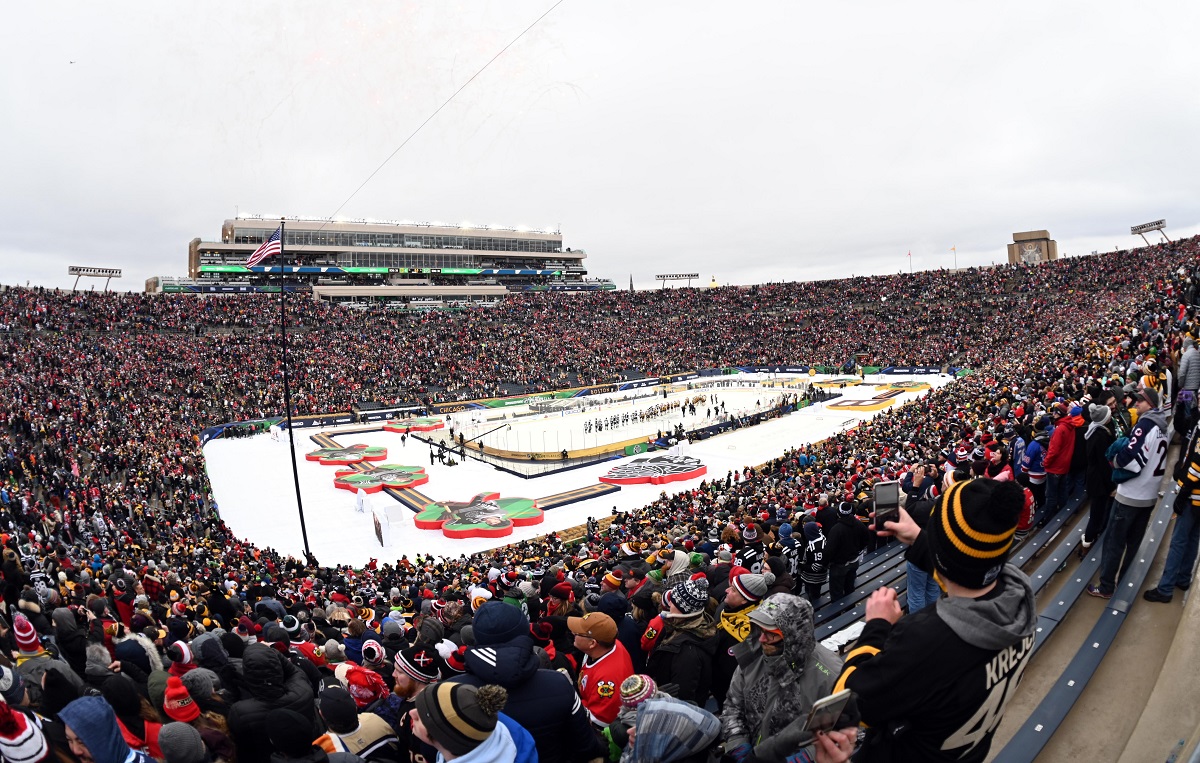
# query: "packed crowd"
140,627
904,319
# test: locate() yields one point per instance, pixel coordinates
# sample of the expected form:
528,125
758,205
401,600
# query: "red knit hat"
26,636
177,703
563,591
365,686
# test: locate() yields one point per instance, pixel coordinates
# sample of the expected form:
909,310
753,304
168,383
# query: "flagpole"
287,393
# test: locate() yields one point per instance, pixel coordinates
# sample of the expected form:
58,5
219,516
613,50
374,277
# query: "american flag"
272,246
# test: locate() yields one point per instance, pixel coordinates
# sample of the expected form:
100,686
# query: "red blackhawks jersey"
600,684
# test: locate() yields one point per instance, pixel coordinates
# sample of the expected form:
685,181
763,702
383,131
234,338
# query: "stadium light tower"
1142,230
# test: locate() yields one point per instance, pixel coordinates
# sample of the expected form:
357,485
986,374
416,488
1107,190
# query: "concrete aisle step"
1171,713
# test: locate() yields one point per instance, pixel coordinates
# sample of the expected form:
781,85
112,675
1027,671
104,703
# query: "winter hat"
372,652
290,732
333,652
420,663
199,682
845,508
750,534
1148,394
785,530
971,530
636,689
179,652
689,596
1100,414
292,626
498,623
12,686
178,704
180,743
563,591
753,587
812,530
21,737
614,578
724,556
460,717
338,709
365,686
26,636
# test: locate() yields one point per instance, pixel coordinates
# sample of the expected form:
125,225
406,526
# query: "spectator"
781,672
93,733
847,544
605,665
271,682
363,734
1145,456
744,593
1185,537
683,653
462,722
922,680
542,701
1099,485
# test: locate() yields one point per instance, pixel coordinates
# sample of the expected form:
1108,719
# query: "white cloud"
768,142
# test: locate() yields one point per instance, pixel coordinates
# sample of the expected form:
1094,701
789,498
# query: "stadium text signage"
1145,228
677,277
75,270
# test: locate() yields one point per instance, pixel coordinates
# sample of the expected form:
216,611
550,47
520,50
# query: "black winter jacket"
269,681
685,658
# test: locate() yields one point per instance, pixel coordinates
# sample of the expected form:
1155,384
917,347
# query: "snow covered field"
252,477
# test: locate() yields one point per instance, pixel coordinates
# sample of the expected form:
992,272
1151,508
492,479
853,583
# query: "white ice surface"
252,480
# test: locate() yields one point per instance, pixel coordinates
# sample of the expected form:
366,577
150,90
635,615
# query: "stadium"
120,476
346,484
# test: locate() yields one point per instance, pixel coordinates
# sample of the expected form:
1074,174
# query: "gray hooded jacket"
770,696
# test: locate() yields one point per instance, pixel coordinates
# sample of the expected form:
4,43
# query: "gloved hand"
1182,501
740,753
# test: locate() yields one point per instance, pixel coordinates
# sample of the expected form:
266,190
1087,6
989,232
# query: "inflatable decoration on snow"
656,470
404,426
487,515
376,478
350,454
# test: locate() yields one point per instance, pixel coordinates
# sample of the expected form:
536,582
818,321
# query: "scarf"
736,624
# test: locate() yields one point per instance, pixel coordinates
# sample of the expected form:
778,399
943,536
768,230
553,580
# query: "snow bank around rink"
252,480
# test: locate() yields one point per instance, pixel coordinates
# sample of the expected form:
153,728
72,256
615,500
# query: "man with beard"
781,672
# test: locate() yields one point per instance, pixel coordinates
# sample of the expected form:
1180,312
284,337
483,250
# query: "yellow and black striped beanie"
460,717
971,530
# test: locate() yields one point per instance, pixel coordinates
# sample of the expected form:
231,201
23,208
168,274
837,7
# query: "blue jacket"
526,749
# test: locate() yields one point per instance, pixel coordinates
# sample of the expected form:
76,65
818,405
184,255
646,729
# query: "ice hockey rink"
252,477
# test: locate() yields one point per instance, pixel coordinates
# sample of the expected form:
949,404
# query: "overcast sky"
747,141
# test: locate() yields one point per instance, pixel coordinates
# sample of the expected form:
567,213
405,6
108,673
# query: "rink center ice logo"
655,470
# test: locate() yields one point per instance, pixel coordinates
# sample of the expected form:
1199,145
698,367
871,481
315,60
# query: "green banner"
637,450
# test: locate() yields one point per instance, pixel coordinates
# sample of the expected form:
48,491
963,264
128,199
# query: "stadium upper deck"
388,261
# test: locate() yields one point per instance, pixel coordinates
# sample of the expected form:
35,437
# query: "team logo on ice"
487,515
376,478
404,426
350,454
655,470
